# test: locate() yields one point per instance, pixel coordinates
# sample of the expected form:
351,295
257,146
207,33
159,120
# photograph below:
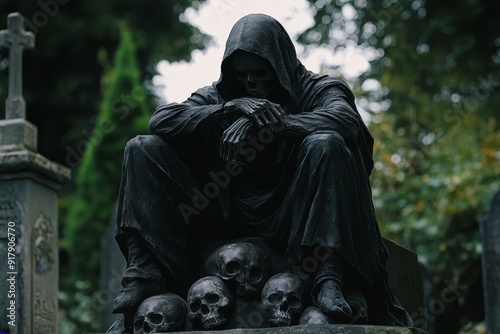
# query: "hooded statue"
270,150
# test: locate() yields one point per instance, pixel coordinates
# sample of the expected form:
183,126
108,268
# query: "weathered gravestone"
490,232
28,208
405,279
112,267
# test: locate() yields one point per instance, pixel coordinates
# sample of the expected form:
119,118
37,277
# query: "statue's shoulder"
327,79
206,95
316,85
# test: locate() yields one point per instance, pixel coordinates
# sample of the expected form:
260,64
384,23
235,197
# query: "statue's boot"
134,292
329,291
142,279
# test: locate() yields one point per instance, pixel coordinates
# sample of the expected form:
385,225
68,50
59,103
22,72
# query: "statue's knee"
324,140
143,143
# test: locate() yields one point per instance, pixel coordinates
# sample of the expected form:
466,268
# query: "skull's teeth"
281,321
213,322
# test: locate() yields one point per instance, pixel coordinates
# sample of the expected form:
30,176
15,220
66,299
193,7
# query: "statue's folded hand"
260,112
233,138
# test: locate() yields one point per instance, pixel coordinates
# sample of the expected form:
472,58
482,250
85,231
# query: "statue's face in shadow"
253,73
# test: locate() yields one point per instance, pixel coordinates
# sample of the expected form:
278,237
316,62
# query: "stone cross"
16,39
490,231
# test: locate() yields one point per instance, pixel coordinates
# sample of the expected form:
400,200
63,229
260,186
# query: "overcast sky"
216,17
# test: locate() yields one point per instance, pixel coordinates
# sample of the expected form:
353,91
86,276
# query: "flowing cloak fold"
258,196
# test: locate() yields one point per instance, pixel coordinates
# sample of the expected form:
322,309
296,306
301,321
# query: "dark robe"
303,187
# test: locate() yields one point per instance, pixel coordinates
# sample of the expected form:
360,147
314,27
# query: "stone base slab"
318,329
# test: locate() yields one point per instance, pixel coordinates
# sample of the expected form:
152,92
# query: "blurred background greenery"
432,92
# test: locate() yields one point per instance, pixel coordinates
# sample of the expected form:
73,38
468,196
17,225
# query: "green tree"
125,112
434,117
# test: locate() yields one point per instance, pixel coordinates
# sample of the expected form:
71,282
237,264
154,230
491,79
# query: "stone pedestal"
17,134
28,232
405,279
319,329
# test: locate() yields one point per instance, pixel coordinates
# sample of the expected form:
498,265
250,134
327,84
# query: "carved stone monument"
490,231
28,207
271,156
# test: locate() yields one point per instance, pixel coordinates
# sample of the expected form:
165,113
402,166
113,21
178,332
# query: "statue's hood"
264,36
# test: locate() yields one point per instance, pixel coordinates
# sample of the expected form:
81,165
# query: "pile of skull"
237,293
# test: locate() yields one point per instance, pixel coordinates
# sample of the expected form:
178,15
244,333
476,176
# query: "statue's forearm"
223,113
298,126
181,119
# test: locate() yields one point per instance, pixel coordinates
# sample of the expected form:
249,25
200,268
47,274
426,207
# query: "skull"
313,315
159,314
282,297
242,265
210,302
253,73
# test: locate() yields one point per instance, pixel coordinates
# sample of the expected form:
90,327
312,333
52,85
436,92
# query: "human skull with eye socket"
283,298
253,73
243,265
210,302
160,314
